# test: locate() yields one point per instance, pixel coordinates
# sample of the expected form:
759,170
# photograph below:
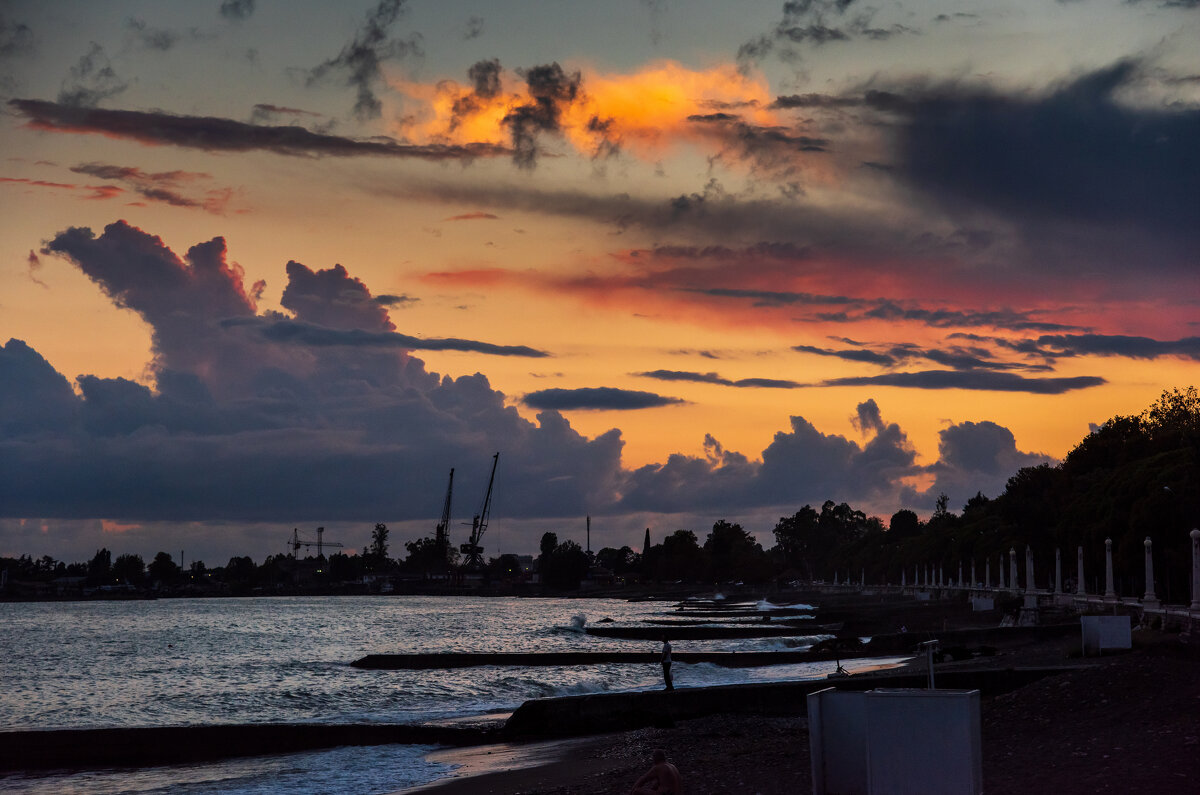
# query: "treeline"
1132,478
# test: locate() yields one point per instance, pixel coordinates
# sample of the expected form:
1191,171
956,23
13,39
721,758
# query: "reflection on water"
197,661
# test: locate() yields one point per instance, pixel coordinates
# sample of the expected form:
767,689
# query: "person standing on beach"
661,779
666,663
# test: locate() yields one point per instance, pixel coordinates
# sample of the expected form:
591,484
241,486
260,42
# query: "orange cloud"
111,526
649,112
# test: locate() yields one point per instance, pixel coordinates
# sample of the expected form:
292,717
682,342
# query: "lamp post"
1195,536
1109,593
1080,588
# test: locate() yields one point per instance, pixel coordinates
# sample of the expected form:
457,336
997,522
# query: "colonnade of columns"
928,577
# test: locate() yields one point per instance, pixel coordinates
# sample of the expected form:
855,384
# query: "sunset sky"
267,265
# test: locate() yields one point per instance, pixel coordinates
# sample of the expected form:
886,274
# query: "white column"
959,583
1030,581
1109,593
974,583
1057,570
1149,599
1080,588
1012,568
1195,536
1003,571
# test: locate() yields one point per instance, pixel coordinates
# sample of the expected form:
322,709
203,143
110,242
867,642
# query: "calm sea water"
197,661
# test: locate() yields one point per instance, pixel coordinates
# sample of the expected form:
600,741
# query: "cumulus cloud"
239,425
801,465
253,416
975,457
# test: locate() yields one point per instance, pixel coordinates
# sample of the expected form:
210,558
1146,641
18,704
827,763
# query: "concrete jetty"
606,712
174,745
727,659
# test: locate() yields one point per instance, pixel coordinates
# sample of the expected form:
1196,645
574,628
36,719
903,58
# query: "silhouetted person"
661,779
666,663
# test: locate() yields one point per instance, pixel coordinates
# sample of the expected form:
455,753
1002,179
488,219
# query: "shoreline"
1123,722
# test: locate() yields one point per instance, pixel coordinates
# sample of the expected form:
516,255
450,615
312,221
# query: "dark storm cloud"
714,378
90,80
550,88
237,10
986,381
850,355
602,398
241,426
1076,154
1117,345
295,333
215,134
360,60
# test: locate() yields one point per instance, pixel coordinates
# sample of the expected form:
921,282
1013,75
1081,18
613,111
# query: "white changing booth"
895,742
1106,632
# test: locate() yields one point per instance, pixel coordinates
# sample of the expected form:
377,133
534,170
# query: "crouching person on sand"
661,779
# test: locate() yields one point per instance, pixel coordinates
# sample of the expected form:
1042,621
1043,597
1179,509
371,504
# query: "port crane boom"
296,542
442,534
472,550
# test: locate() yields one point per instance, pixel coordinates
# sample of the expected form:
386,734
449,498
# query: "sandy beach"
1126,722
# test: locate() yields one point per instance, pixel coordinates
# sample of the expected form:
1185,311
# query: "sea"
173,662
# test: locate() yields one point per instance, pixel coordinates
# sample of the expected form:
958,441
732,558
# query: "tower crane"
442,534
472,550
296,542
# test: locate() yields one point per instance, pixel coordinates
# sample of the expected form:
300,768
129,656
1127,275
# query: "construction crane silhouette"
441,536
474,552
296,542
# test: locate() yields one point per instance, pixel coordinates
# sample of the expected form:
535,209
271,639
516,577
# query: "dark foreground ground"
1128,723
